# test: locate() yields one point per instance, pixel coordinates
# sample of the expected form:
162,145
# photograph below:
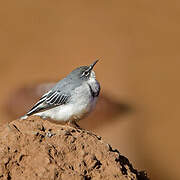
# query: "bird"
71,99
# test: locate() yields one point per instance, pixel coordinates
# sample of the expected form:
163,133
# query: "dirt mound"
38,149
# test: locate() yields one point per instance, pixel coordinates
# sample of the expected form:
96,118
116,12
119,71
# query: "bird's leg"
76,125
73,124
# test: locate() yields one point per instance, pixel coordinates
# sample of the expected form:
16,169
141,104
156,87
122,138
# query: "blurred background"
138,43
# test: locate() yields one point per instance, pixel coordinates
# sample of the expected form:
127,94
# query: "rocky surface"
38,149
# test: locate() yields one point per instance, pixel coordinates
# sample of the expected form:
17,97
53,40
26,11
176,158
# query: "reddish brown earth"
38,149
138,42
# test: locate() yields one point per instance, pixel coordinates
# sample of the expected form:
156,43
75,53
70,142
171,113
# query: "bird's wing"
56,98
49,100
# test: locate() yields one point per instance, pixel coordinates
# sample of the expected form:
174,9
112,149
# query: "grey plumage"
65,90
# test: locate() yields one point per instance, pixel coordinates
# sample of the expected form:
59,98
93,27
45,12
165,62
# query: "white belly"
81,103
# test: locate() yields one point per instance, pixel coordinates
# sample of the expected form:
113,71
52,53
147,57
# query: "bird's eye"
85,73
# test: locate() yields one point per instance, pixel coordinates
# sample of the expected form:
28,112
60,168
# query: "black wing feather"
57,98
49,100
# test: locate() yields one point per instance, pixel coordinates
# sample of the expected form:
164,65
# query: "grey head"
82,73
75,78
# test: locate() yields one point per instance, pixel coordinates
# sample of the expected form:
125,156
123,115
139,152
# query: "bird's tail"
24,117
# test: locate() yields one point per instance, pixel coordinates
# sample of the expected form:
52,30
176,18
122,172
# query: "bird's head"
84,73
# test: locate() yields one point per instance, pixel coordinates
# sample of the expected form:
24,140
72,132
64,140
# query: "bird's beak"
93,64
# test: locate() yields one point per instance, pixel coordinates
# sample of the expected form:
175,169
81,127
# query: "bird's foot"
73,124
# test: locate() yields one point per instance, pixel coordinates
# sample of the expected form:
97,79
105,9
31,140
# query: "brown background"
138,43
